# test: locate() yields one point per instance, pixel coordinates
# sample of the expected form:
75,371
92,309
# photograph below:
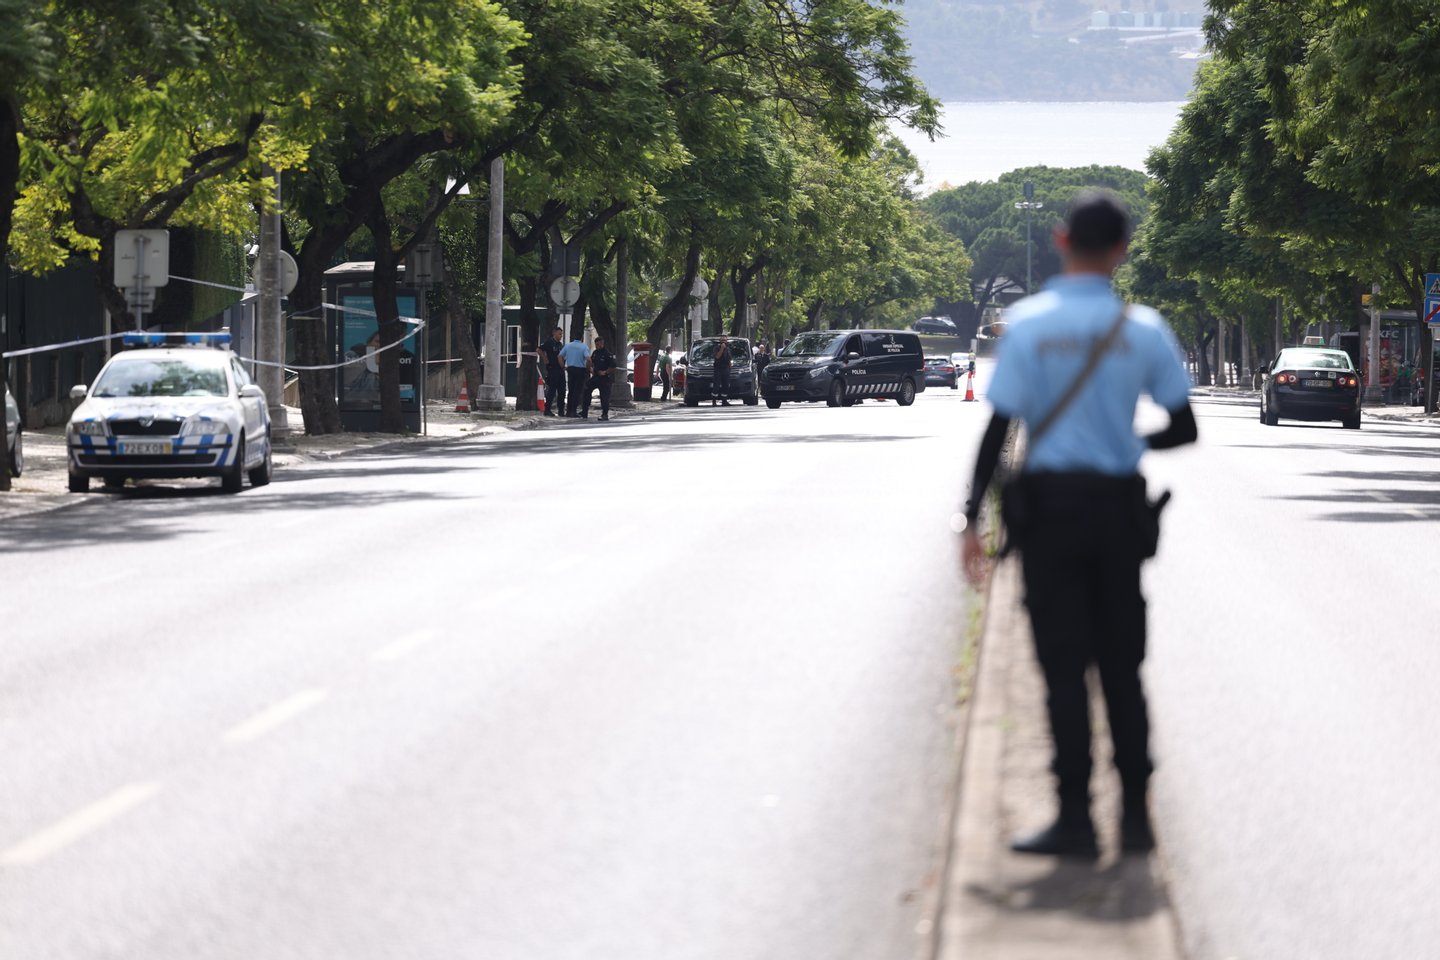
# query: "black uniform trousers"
577,377
720,385
1081,560
554,389
601,382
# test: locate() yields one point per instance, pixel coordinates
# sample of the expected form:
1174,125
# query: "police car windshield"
814,345
157,377
705,350
1314,359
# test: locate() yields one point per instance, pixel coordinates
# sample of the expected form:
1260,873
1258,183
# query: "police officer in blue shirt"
1085,510
576,357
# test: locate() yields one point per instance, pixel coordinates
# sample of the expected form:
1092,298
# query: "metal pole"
1028,287
1374,392
270,345
140,241
622,395
491,394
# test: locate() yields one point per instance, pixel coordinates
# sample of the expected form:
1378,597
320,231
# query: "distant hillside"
1046,50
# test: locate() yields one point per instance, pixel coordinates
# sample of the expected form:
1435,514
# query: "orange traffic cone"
462,403
540,394
970,387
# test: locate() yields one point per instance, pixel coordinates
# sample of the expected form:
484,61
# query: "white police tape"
30,351
417,324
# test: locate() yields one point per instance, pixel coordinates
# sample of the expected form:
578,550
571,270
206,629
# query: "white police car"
188,410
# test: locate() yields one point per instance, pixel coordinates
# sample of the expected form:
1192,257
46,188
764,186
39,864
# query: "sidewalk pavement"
42,486
999,905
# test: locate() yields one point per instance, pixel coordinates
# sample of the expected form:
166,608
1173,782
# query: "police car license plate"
1317,383
144,449
786,386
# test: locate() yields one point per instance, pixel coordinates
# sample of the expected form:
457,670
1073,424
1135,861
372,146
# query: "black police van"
842,367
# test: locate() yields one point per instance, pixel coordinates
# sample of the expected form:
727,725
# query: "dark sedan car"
941,325
939,371
1310,383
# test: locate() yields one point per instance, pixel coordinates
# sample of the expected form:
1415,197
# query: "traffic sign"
565,291
289,273
142,259
1432,285
1432,311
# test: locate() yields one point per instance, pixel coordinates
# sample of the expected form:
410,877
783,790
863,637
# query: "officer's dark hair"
1098,222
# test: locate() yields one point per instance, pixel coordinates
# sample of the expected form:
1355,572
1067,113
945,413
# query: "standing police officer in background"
602,370
720,384
549,354
576,357
1075,358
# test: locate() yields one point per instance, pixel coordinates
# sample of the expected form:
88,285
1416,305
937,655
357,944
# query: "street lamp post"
1028,204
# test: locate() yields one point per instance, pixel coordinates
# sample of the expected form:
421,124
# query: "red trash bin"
643,359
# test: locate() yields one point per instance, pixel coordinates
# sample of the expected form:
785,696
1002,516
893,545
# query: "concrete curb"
1000,905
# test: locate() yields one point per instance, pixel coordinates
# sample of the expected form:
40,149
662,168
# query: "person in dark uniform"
602,374
1072,365
762,360
720,384
554,367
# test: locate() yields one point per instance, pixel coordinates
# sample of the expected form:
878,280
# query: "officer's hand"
973,558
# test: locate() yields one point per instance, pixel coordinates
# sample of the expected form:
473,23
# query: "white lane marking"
402,647
274,715
85,820
1416,513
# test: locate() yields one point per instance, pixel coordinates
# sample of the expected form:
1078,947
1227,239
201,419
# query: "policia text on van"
845,366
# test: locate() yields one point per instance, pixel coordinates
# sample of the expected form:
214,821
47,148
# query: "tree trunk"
387,319
530,325
9,185
1202,358
676,308
812,315
463,327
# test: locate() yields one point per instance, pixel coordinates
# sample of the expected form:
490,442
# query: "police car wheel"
691,401
772,404
233,479
751,401
837,393
907,394
261,474
79,483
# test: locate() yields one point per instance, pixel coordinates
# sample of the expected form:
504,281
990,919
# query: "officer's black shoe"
724,403
1135,834
604,417
712,403
1060,839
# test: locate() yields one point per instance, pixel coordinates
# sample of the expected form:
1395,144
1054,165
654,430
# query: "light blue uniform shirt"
1047,341
574,354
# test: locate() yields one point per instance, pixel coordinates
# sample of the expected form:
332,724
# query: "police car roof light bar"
138,339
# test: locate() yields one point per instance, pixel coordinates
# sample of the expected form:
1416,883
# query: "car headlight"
820,370
197,427
90,428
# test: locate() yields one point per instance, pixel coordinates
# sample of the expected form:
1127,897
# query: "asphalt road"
671,688
1292,673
